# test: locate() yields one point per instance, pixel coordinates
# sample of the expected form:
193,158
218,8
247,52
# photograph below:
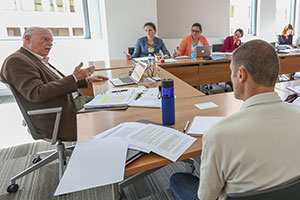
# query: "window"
65,18
285,14
13,31
59,31
243,15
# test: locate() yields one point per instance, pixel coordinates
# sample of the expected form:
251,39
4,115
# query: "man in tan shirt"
41,85
254,149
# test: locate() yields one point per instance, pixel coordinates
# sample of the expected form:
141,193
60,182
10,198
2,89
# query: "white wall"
125,21
266,13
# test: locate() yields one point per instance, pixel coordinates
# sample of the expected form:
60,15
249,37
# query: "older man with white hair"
43,86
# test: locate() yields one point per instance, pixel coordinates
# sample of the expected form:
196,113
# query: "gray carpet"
42,183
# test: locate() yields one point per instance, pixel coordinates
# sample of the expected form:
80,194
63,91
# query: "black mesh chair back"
289,191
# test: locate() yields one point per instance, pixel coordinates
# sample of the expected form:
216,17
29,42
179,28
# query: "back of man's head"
261,61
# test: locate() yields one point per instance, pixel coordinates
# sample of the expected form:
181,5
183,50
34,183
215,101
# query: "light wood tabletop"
182,89
90,124
113,64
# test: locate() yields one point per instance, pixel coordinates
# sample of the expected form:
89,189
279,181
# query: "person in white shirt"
254,149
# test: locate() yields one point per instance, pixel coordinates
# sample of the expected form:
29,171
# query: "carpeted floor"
41,184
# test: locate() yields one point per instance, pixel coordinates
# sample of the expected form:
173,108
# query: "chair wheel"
210,87
36,160
12,188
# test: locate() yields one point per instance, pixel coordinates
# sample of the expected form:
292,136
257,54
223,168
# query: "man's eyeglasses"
44,39
195,31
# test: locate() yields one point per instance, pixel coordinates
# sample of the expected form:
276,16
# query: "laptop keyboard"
126,80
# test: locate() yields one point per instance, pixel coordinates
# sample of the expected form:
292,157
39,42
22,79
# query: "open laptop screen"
138,71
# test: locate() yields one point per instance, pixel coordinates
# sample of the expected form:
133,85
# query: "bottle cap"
167,83
193,45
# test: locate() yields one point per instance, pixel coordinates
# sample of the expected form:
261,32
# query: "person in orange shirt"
196,37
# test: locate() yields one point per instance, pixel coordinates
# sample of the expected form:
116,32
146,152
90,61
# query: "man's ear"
242,74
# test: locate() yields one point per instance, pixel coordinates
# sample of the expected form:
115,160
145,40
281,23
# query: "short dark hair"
150,24
261,61
239,30
198,25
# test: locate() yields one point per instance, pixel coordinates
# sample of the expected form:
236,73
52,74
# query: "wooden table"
182,89
201,72
90,124
113,64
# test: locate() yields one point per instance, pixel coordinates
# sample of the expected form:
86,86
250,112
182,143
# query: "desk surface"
182,89
113,64
90,124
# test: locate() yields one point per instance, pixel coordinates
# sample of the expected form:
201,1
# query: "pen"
138,96
186,125
125,52
292,99
115,91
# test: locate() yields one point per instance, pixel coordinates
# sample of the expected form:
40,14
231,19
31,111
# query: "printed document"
164,141
201,124
94,163
109,100
123,130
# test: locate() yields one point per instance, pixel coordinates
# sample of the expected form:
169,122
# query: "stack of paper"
109,100
164,141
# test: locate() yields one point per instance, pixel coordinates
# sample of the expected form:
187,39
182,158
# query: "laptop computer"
203,51
134,77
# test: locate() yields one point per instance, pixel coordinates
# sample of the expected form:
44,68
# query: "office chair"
216,47
289,191
130,50
60,153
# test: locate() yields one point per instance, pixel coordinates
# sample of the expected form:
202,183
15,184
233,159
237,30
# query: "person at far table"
148,44
254,149
233,42
195,37
286,37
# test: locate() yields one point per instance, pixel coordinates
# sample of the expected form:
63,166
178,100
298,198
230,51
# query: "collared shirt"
254,149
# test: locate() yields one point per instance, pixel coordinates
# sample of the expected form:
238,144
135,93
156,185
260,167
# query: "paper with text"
164,141
148,99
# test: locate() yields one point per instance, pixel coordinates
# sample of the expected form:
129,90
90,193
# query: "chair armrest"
44,111
56,110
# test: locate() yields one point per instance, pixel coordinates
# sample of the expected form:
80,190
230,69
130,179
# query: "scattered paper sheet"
202,123
94,163
123,130
164,141
126,90
294,89
297,101
170,60
148,99
206,105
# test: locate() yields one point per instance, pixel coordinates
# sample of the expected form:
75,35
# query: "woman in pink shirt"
232,42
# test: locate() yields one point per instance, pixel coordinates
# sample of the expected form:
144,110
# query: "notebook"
134,78
203,51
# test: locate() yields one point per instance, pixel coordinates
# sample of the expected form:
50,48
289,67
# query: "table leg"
115,191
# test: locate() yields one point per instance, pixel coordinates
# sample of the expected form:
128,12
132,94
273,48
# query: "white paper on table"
94,163
148,99
170,60
297,101
123,130
206,105
129,90
202,123
164,141
141,59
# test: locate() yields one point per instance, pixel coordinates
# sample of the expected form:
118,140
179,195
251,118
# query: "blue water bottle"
167,101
